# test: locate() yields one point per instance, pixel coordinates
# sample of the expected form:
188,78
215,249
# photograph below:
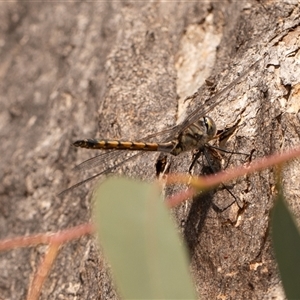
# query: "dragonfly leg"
224,186
213,170
195,159
162,166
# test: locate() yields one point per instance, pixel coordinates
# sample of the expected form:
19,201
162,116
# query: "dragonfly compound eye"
211,127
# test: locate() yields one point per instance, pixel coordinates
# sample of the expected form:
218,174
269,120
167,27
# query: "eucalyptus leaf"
286,243
139,239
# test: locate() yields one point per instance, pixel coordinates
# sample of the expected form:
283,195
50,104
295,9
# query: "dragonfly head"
210,125
195,136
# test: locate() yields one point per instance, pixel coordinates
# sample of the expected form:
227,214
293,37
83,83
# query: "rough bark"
80,70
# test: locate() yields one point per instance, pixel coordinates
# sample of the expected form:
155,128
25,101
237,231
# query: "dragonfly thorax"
195,136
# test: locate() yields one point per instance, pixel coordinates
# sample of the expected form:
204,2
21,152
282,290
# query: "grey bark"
78,70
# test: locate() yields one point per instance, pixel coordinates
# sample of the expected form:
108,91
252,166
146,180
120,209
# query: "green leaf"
286,243
139,239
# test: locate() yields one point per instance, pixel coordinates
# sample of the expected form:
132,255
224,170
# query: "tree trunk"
122,70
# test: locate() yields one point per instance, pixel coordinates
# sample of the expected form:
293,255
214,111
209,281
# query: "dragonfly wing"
170,133
97,160
107,170
200,112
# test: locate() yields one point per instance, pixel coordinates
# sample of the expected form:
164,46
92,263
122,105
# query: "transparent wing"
215,100
99,161
199,112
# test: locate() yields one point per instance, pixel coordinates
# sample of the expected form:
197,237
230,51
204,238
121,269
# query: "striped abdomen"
114,144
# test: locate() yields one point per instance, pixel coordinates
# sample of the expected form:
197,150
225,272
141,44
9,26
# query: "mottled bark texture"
122,69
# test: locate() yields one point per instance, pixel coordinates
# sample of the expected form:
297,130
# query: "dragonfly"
193,133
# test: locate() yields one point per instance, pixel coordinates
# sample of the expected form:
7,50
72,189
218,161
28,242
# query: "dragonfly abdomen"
115,144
